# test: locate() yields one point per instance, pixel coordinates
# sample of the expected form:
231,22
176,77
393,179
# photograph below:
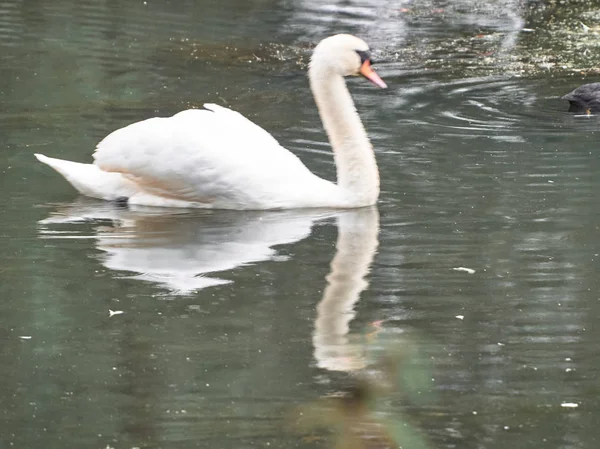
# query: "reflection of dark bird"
585,98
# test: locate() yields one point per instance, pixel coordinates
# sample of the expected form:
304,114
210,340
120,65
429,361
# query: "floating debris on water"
569,405
114,312
465,269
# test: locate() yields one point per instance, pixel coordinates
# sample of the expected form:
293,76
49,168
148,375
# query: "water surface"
231,320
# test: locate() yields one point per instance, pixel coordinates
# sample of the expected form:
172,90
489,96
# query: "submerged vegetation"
365,411
538,37
548,37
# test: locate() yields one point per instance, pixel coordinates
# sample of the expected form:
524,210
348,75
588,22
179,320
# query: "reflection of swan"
178,249
356,246
216,158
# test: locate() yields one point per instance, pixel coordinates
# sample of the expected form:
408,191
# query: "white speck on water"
569,405
474,412
468,270
585,27
460,317
500,344
114,312
25,337
506,427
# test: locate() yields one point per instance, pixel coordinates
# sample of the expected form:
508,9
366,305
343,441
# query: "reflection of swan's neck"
355,161
356,246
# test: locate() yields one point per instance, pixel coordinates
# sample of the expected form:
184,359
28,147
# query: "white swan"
216,158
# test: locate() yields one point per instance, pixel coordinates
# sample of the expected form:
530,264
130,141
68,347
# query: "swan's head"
346,55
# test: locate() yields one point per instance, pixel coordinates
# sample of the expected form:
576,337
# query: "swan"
584,99
216,158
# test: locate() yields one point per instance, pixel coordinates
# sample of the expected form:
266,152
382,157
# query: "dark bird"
584,99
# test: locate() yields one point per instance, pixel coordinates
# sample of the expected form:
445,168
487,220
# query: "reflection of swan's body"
356,246
216,158
178,250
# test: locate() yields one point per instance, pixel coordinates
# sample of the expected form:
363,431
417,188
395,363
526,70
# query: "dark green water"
228,320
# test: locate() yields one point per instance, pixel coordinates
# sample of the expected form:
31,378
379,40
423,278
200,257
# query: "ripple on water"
11,25
503,109
487,173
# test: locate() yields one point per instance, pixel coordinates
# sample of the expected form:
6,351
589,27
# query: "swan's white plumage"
216,158
90,180
211,157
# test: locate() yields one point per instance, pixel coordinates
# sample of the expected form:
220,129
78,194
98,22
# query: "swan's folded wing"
207,155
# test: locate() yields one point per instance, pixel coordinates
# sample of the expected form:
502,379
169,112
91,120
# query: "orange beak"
367,71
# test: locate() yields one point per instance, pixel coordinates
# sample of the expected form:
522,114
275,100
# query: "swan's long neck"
354,158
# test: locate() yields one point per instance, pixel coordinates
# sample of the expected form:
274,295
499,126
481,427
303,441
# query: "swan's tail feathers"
90,180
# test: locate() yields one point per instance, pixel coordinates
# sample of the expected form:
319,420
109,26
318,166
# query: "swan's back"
214,157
